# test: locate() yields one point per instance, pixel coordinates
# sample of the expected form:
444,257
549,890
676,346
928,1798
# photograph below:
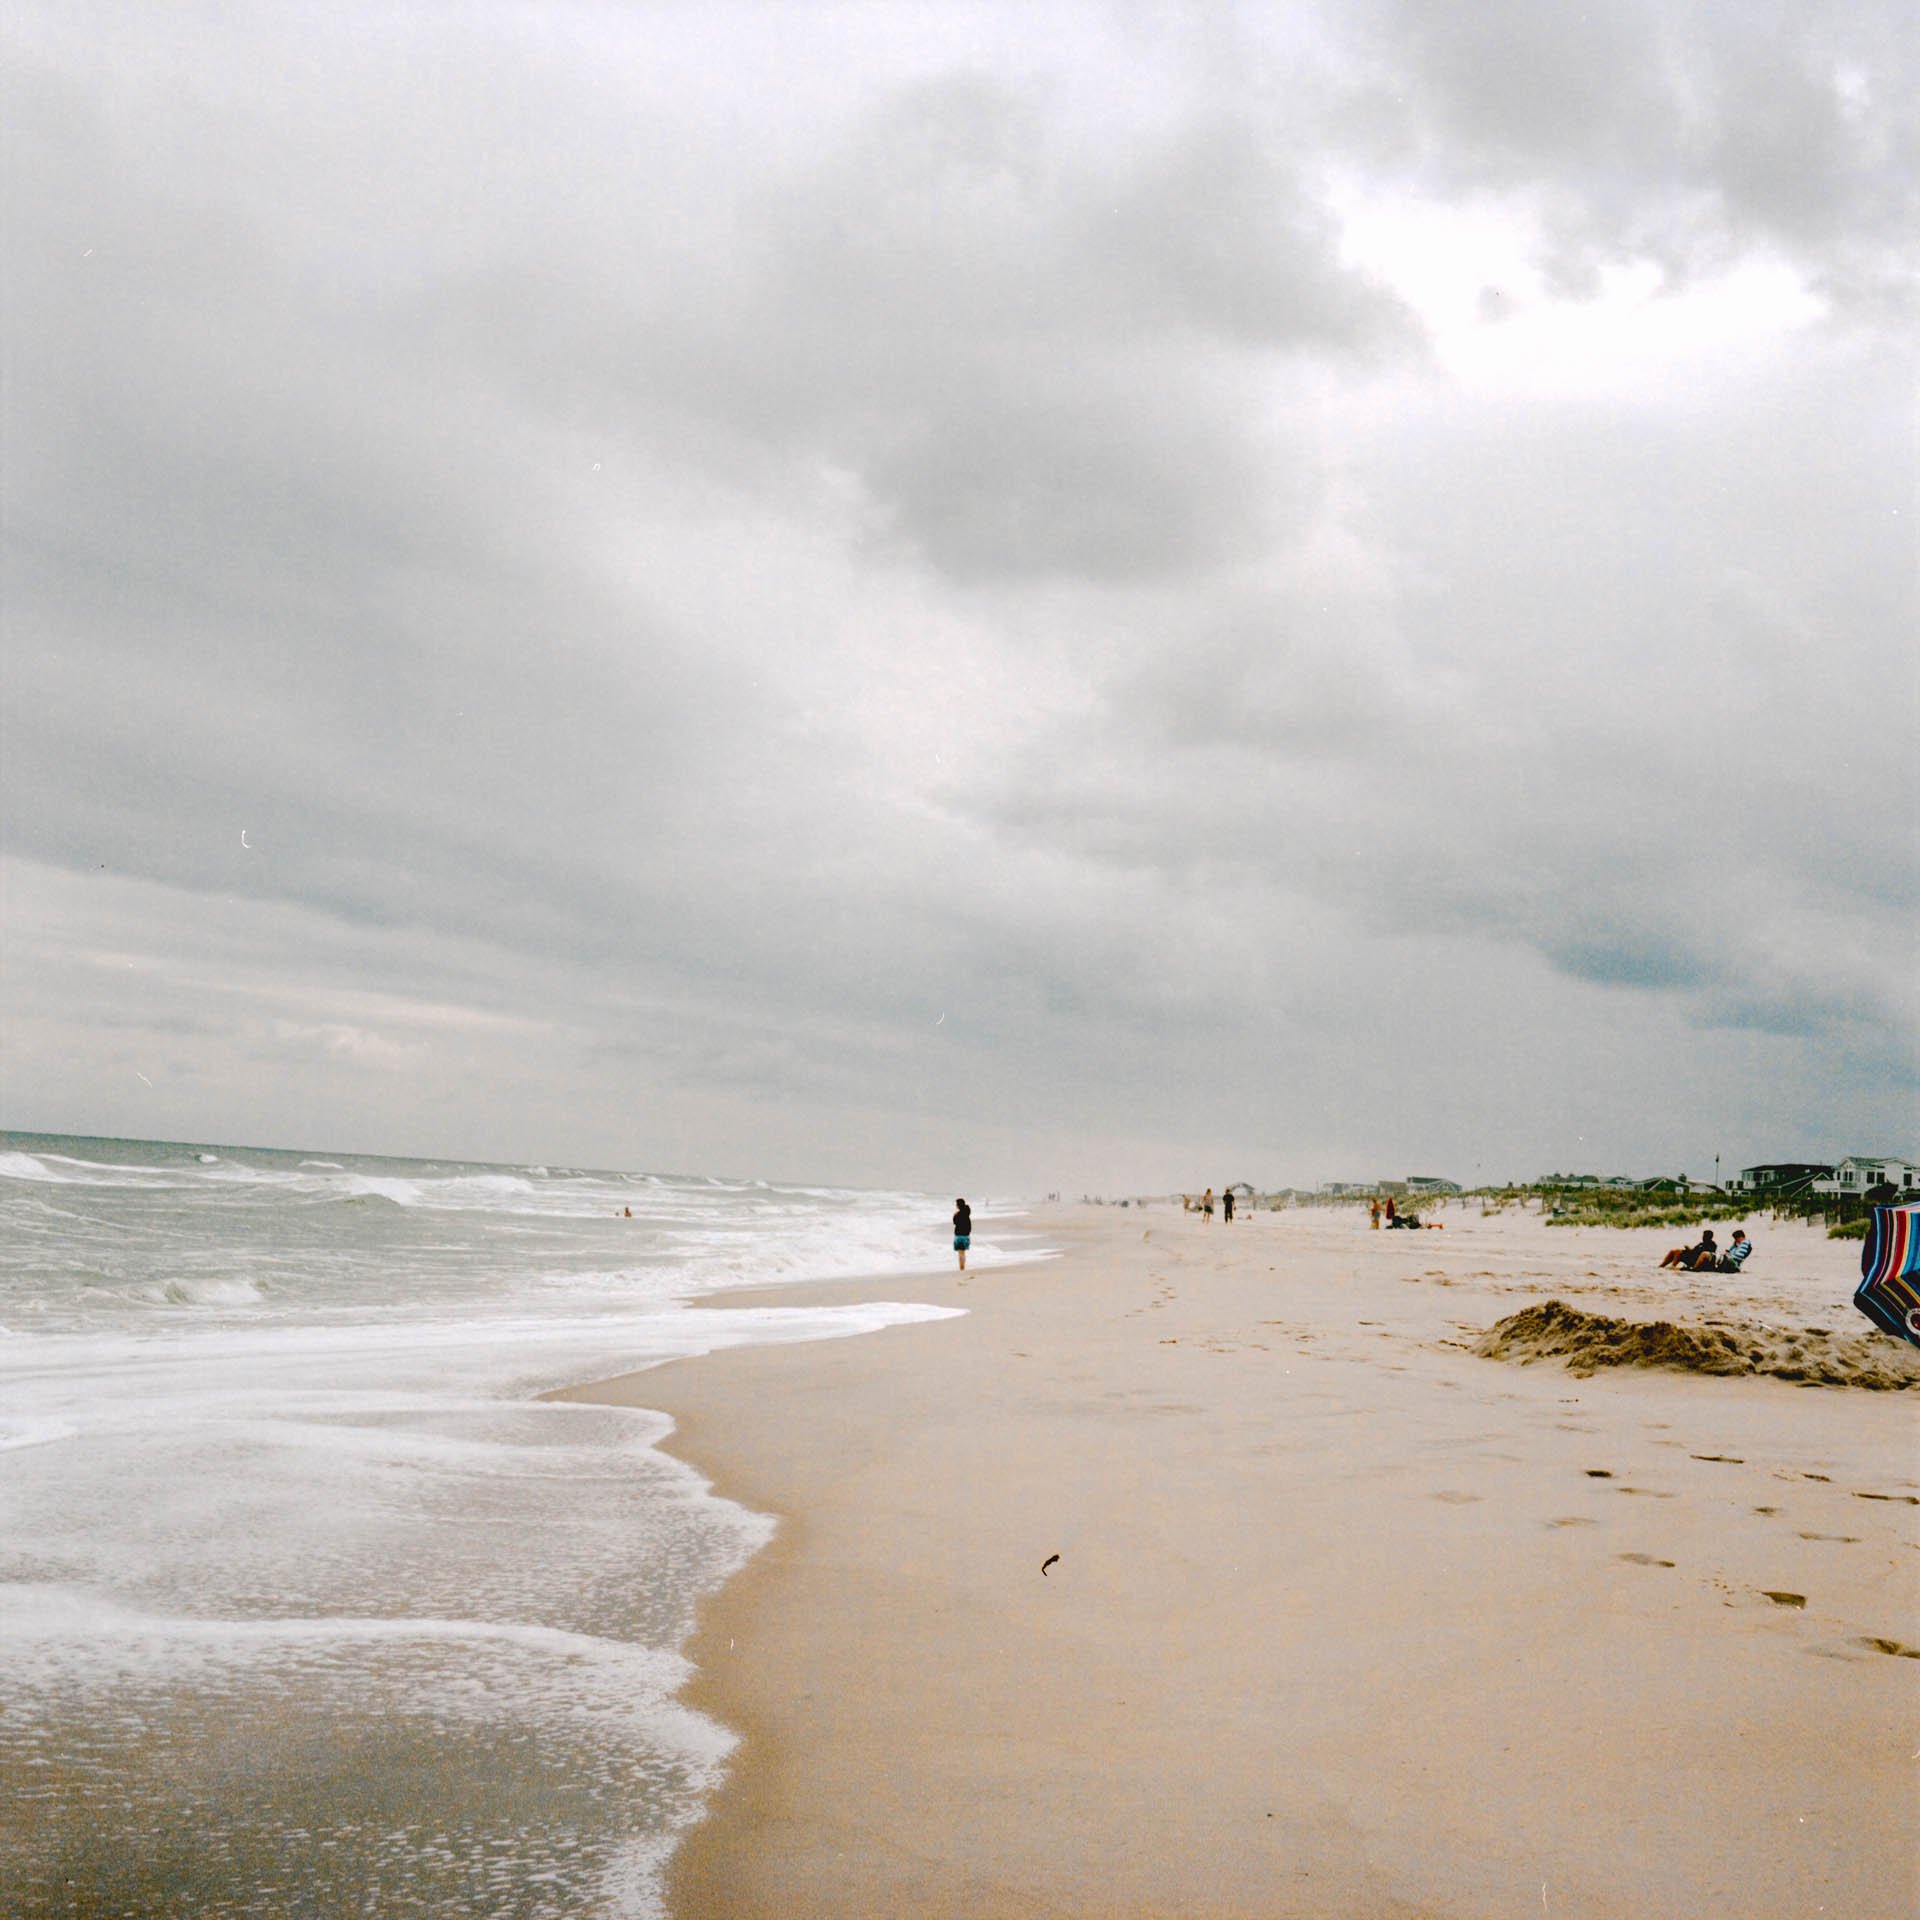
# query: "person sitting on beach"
1735,1256
1690,1258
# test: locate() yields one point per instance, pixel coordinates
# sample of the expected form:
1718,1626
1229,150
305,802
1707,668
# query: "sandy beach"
1346,1619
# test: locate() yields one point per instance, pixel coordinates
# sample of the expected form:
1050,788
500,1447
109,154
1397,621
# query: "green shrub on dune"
1643,1210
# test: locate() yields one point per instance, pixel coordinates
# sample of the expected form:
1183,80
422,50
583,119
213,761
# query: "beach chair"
1889,1289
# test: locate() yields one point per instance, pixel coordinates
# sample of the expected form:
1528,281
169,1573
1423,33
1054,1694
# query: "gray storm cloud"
693,549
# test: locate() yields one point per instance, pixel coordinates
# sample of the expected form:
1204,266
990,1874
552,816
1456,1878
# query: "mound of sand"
1586,1341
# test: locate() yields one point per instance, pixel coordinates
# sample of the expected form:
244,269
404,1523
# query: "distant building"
1345,1189
1860,1173
1430,1183
1781,1177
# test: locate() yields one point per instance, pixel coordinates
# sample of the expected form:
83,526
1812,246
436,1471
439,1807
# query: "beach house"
1860,1173
1779,1178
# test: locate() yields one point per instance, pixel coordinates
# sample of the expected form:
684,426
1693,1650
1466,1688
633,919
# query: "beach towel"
1889,1290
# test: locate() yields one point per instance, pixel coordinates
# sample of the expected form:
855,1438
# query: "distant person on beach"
1388,1209
1373,1213
962,1231
1691,1258
1206,1203
1226,1204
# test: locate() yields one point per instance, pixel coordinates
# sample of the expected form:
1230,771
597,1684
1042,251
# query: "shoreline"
1345,1621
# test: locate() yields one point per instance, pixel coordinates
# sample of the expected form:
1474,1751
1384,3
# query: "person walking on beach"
962,1231
1206,1205
1226,1204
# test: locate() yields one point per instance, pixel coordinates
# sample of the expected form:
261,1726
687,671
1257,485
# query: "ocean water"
308,1604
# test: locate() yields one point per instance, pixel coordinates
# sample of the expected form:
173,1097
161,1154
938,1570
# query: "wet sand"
1346,1619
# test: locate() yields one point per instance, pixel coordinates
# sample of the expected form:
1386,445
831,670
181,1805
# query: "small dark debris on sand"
1589,1341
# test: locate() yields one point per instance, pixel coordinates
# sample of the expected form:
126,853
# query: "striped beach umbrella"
1889,1289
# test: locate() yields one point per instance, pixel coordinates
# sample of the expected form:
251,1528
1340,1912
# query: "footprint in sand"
1650,1493
1768,1511
1878,1645
1844,1539
1456,1499
1827,1478
1643,1560
1911,1499
1573,1520
1725,1459
1785,1599
1599,1473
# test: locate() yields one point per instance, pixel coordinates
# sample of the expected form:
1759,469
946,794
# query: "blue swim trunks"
961,1241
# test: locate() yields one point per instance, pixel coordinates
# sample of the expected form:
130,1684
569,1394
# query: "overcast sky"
996,598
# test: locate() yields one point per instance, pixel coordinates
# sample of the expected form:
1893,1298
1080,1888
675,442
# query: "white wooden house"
1860,1173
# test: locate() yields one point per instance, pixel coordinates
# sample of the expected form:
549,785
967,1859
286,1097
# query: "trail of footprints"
1165,1293
1779,1597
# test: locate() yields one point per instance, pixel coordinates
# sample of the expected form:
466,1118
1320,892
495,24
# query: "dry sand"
1347,1620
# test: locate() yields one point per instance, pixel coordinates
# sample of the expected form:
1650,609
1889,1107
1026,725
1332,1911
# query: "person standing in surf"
962,1230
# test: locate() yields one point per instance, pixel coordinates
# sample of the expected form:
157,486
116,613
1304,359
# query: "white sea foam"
17,1430
274,1460
213,1293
